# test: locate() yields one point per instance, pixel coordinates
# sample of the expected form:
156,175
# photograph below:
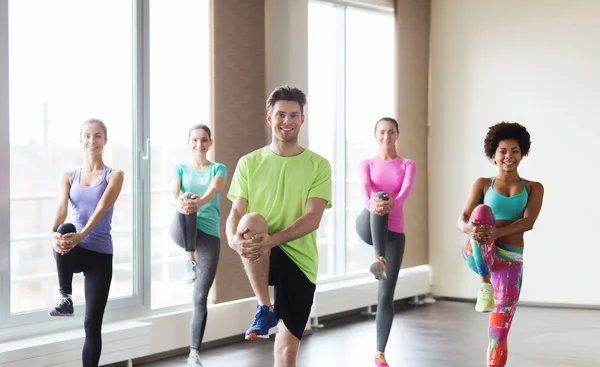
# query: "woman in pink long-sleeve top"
387,180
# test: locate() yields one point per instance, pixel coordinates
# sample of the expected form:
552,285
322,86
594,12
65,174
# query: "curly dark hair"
506,131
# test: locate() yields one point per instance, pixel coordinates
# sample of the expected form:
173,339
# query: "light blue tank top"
506,207
84,200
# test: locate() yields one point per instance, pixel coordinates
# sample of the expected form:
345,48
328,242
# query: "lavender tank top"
84,200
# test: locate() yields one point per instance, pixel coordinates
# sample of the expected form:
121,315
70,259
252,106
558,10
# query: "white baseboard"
121,341
347,295
127,340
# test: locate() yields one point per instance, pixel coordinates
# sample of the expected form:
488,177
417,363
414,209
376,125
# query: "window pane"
369,96
70,60
180,95
322,108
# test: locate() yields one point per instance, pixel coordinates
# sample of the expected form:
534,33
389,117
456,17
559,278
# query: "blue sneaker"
264,325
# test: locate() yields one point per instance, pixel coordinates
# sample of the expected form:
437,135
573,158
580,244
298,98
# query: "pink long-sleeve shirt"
396,178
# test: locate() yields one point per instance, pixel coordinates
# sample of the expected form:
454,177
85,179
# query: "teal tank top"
505,207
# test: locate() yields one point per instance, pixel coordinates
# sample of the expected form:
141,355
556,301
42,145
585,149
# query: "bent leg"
373,230
507,288
65,264
184,233
379,229
483,253
257,272
481,258
363,227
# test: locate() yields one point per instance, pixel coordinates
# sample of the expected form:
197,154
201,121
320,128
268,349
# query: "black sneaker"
64,307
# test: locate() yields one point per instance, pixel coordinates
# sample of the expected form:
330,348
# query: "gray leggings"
373,230
207,250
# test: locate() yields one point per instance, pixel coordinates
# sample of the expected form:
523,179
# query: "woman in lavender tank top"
86,244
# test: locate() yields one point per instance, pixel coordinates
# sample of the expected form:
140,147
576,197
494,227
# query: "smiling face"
199,141
93,138
508,155
285,119
386,134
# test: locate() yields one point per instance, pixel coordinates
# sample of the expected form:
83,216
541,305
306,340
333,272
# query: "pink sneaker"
380,360
378,268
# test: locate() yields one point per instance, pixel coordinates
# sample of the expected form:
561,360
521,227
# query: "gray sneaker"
190,271
64,307
194,361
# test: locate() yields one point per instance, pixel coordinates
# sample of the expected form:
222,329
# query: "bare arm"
108,199
475,198
309,222
175,187
238,209
62,206
216,186
532,211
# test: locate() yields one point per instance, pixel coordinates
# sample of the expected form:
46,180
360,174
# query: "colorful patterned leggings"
505,263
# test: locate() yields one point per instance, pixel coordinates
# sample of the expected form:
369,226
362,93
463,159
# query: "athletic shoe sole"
254,336
59,314
483,310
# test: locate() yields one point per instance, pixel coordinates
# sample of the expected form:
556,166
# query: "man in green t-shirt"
290,187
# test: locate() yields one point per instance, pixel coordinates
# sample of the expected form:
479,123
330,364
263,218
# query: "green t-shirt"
278,188
197,182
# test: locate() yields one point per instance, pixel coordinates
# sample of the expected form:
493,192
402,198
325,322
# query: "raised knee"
254,223
484,214
381,195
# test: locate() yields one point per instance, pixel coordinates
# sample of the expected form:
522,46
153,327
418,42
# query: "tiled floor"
445,334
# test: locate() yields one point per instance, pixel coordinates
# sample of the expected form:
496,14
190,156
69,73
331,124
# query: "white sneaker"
190,271
194,361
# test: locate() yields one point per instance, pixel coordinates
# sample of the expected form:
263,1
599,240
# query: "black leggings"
373,230
98,270
207,249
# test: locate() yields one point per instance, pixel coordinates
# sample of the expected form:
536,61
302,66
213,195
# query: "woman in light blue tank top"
498,212
196,188
86,245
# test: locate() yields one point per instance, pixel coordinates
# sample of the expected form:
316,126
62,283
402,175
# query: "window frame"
138,305
340,181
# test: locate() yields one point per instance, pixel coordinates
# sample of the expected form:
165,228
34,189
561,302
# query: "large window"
351,86
63,70
70,60
180,95
321,114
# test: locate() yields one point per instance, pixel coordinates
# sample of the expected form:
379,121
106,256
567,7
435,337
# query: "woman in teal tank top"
498,212
196,188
